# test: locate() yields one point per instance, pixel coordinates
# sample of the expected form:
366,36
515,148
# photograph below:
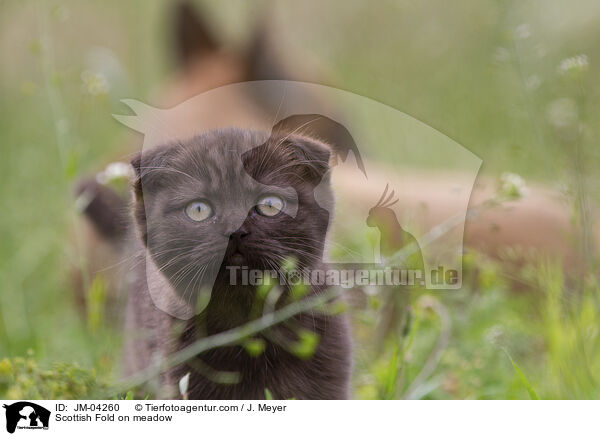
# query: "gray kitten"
232,198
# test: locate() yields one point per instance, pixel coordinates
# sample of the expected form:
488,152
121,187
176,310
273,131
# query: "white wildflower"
371,290
427,302
184,383
495,335
579,63
105,62
94,83
522,31
512,186
562,113
115,171
533,82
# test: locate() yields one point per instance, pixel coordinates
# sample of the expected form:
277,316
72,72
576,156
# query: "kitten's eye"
198,210
270,205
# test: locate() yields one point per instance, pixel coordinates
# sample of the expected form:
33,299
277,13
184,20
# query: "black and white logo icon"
26,415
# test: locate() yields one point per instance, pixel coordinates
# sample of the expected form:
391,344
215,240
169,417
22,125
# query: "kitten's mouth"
237,258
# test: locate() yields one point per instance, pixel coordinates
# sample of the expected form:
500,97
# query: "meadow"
514,82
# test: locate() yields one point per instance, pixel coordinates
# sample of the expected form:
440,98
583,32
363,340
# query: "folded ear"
332,133
311,157
285,155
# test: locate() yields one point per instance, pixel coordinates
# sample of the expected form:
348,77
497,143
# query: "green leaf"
289,264
96,303
306,345
299,291
254,346
72,165
532,393
392,377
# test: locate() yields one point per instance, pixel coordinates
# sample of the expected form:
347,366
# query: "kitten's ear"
312,155
334,134
192,37
136,163
147,166
148,178
139,209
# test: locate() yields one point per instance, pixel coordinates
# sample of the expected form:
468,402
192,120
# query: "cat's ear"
148,177
261,61
312,157
334,134
147,166
136,163
192,37
139,208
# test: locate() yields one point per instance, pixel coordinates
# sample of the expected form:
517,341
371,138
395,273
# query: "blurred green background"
513,81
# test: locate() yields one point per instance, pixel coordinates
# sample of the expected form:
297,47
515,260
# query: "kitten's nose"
239,234
236,241
236,234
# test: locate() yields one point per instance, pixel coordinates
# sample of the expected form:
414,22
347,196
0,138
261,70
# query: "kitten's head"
231,197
